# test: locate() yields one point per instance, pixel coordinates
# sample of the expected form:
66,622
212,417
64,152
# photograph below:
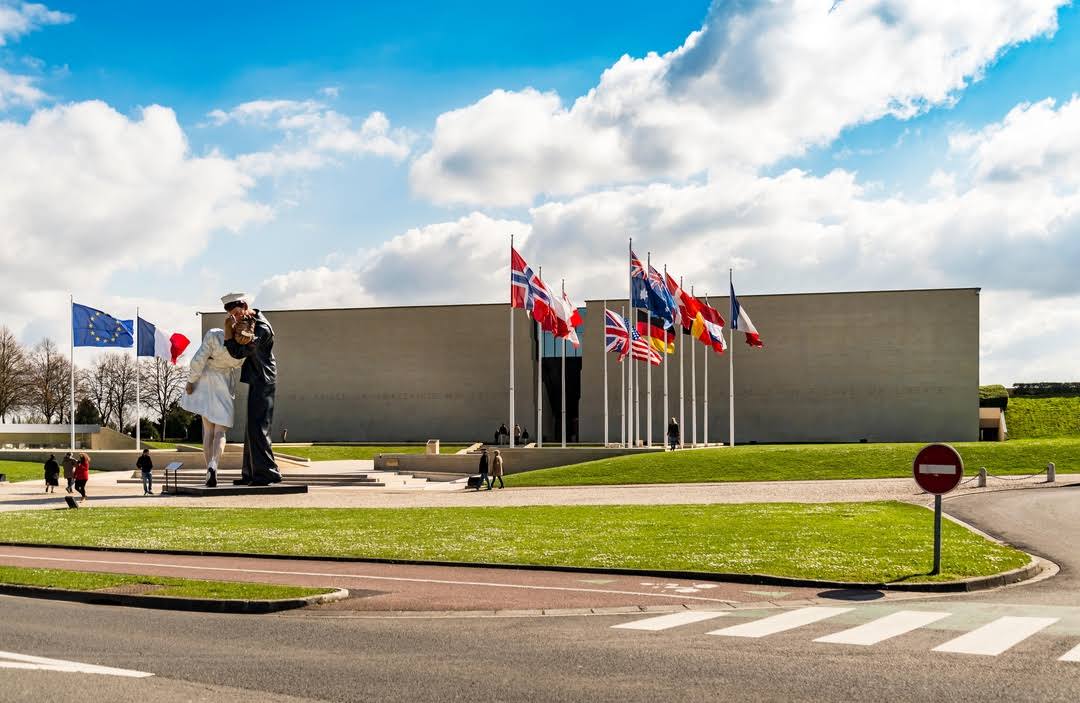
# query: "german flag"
662,340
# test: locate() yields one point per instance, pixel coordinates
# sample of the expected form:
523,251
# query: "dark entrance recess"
552,378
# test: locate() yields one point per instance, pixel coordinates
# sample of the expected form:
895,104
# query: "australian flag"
649,292
93,328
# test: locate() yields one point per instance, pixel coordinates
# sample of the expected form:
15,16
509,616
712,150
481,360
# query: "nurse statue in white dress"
210,392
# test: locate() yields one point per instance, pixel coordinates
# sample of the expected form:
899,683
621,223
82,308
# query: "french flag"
153,342
740,321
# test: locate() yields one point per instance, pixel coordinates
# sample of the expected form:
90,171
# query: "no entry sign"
938,468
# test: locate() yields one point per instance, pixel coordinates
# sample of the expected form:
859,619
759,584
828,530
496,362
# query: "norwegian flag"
640,349
528,292
616,336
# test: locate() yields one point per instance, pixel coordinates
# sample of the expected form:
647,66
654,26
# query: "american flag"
641,350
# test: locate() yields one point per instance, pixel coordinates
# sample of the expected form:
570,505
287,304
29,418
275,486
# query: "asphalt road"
356,656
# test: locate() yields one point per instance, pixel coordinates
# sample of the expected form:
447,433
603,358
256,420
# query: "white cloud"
313,135
759,82
1014,232
86,191
20,18
18,90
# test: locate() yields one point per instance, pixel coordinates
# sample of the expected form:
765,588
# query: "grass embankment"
159,586
338,452
23,471
803,462
882,541
1043,417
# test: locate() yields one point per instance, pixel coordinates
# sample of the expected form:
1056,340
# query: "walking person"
82,475
517,434
146,465
673,434
496,471
483,468
69,470
52,474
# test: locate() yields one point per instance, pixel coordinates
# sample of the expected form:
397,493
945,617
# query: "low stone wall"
514,460
122,460
109,438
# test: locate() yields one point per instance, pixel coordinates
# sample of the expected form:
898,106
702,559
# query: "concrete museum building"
879,366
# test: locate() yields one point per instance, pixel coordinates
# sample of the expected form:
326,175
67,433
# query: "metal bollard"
1051,472
982,477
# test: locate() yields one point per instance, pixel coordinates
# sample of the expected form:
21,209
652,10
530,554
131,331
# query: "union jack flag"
616,336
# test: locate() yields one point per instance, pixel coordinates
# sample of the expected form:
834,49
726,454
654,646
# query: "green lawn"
883,541
337,452
781,462
184,588
24,471
1043,417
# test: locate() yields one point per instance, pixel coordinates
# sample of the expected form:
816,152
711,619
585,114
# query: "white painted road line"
994,638
666,622
1073,655
779,623
26,661
884,628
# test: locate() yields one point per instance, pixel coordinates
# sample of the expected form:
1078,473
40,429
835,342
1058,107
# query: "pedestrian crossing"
988,639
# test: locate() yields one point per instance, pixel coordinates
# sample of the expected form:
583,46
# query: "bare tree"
14,374
120,372
49,388
96,387
162,385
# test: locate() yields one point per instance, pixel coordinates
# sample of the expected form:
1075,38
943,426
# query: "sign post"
938,469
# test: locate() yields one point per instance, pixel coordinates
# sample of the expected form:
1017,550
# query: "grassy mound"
1043,417
802,462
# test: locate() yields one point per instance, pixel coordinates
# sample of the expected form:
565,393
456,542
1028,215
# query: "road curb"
194,605
979,583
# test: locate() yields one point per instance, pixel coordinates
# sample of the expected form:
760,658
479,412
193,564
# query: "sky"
333,154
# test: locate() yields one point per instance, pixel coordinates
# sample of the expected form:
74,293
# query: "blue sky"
426,143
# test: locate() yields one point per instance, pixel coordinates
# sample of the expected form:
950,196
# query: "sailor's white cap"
235,298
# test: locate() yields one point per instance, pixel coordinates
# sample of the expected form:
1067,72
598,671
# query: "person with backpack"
146,465
69,471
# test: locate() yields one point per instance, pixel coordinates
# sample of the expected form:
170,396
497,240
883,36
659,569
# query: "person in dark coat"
146,466
483,468
52,474
259,372
673,434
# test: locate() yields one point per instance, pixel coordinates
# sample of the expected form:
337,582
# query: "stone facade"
837,367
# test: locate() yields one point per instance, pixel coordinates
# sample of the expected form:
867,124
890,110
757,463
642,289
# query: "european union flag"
93,328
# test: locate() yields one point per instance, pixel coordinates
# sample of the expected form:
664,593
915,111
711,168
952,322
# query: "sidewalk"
104,491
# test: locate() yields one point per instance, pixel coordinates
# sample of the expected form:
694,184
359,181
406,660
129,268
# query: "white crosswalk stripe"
780,623
666,622
995,637
884,628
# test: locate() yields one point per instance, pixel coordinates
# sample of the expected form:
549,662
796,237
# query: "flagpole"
511,352
682,384
603,332
539,374
693,390
664,419
648,368
622,389
631,372
731,363
562,384
71,315
138,391
705,409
